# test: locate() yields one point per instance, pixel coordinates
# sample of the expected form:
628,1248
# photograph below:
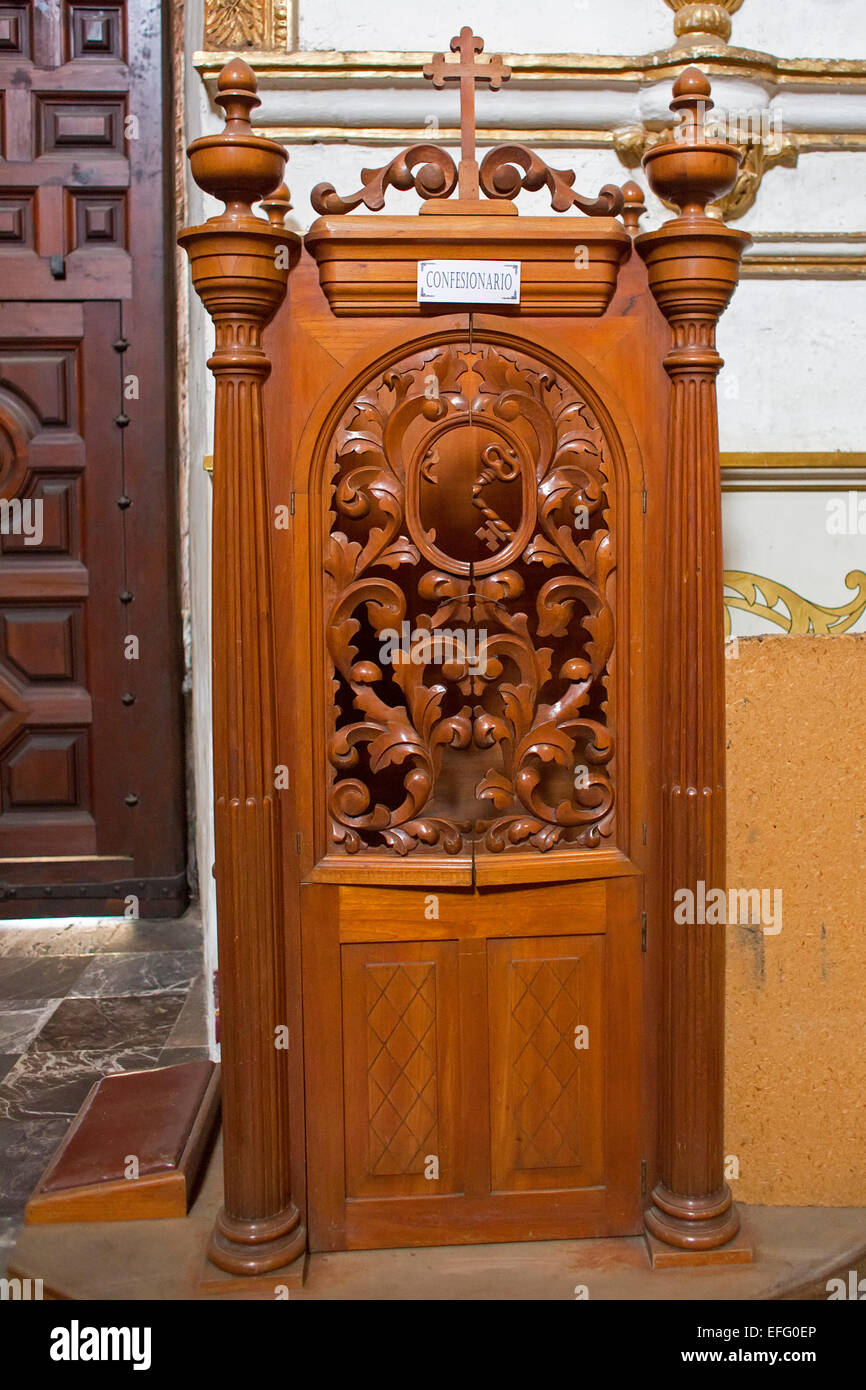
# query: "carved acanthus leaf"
481,740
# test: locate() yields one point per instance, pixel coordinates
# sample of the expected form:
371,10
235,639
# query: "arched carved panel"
469,611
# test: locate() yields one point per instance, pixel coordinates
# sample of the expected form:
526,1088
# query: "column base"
694,1230
277,1283
257,1247
738,1251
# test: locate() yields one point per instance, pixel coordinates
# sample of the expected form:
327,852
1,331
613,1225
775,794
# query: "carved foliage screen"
469,611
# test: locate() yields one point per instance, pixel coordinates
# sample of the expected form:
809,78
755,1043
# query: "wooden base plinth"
737,1251
279,1283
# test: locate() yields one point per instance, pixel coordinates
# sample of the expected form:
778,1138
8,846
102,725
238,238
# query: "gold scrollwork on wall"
753,593
234,24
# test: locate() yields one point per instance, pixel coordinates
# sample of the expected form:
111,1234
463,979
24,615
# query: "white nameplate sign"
468,282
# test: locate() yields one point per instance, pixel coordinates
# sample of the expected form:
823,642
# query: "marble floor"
78,1002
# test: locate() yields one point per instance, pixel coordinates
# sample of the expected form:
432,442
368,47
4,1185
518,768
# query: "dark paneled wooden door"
472,916
91,803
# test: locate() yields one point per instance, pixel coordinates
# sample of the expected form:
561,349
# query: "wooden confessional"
467,687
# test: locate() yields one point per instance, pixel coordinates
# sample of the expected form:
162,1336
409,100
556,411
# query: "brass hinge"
298,842
643,931
292,505
644,501
643,1177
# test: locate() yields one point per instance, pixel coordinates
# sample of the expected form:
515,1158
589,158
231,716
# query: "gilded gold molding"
555,68
330,71
835,266
793,472
570,137
809,260
811,460
754,593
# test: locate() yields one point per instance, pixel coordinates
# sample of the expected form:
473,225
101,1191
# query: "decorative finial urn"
235,255
693,168
236,165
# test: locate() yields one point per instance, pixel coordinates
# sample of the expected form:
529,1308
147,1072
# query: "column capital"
236,260
693,260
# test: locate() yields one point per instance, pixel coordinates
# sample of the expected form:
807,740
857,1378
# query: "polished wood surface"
458,1102
469,867
565,268
693,264
366,915
241,276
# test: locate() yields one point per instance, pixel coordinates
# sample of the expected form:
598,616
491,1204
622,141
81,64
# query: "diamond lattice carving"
401,1066
546,1066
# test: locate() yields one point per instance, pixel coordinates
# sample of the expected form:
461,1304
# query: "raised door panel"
401,1068
46,803
72,118
547,1060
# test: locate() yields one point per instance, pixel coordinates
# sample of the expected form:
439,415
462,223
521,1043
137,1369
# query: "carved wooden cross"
467,72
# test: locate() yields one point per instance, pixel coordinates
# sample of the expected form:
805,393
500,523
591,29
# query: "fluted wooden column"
241,275
693,266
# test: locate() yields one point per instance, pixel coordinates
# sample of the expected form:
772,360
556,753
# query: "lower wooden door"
472,1063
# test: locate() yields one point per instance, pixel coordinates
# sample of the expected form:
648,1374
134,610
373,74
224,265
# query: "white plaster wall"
200,434
793,376
512,26
802,28
822,193
788,28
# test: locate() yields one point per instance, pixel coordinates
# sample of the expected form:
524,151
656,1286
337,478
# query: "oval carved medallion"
470,504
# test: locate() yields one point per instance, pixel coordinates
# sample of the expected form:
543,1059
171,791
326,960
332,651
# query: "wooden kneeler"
135,1150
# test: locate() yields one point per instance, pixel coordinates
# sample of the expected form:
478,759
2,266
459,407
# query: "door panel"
401,1068
461,1048
91,765
546,1074
46,737
470,822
